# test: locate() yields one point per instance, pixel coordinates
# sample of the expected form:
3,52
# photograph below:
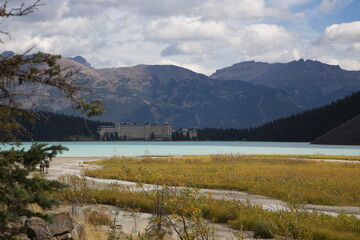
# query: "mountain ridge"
310,82
168,93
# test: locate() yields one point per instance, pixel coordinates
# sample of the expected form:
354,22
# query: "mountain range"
166,93
310,83
244,95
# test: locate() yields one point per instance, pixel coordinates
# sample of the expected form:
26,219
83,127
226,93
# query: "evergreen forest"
301,127
60,127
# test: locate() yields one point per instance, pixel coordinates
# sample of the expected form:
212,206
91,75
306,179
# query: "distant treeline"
60,127
301,127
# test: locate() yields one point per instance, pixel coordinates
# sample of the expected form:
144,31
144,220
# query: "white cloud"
347,64
52,44
257,38
67,26
328,5
184,28
288,3
205,40
355,47
48,11
296,54
331,5
126,54
193,67
341,33
209,9
284,55
191,47
240,9
201,34
162,8
339,44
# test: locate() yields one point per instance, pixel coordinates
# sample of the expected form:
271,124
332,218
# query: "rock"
37,229
66,236
64,227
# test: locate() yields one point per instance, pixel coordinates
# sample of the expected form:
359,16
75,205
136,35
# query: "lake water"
108,149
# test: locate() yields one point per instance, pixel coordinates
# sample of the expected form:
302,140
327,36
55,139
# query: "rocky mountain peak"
312,83
81,60
144,73
7,54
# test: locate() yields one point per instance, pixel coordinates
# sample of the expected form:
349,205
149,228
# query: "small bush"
244,221
321,235
97,218
263,229
326,234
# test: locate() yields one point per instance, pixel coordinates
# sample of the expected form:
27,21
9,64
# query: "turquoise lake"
108,149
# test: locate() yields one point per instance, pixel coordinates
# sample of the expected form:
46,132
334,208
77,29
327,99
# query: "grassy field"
294,156
287,177
286,224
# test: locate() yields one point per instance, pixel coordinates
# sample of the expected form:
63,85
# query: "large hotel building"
132,131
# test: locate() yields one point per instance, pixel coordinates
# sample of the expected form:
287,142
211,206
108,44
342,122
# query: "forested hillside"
302,127
345,134
61,127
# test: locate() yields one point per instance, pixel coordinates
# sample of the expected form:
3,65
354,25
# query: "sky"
202,35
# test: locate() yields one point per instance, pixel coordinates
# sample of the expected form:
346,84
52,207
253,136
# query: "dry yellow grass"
286,178
96,218
293,223
95,233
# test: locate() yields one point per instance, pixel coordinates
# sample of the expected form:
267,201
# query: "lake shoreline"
172,148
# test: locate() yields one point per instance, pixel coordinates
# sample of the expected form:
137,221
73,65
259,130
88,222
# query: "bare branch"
22,10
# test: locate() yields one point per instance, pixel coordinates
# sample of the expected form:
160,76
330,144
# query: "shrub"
263,229
97,218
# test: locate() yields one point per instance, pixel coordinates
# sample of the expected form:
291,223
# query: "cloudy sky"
202,35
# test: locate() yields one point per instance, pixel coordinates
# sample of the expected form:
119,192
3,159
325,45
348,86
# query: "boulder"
37,229
64,227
